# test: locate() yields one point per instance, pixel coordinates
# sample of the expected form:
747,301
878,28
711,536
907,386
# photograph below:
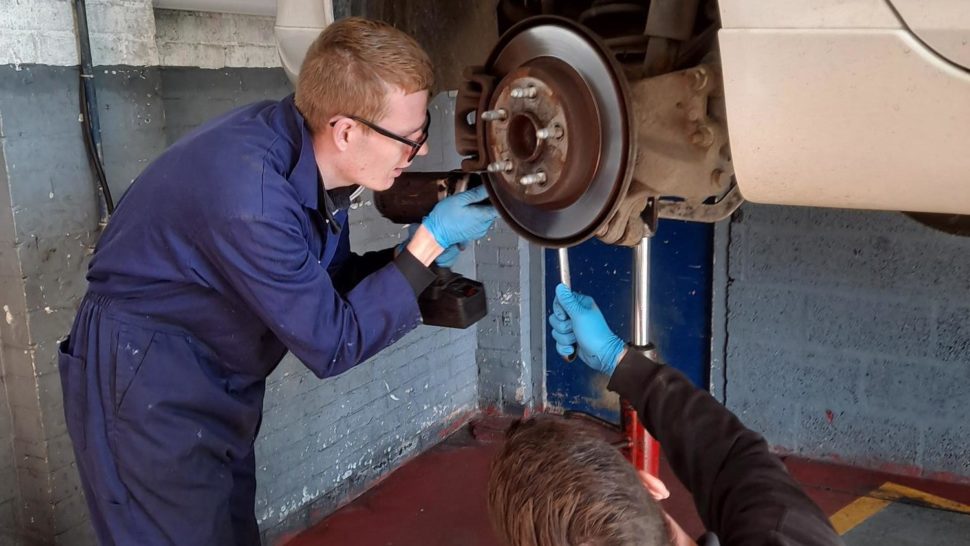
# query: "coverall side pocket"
74,385
133,345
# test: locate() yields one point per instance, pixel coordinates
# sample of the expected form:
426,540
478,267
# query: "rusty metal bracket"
650,217
682,152
473,94
703,212
683,143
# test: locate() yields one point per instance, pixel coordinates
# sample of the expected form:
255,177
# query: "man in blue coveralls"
227,251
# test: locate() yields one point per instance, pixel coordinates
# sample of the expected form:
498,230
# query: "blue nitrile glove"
446,259
449,256
576,319
459,218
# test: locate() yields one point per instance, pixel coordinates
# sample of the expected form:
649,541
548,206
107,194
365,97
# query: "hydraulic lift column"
644,450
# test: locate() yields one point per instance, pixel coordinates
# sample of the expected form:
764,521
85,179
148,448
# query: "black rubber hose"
89,110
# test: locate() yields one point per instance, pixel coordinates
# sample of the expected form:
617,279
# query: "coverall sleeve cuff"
417,275
631,374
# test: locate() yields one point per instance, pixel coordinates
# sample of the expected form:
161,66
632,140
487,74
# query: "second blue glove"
577,320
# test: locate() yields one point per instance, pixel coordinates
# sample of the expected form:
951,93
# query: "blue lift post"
680,310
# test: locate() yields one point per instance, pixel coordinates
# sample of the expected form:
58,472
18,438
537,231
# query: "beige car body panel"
298,23
837,104
943,24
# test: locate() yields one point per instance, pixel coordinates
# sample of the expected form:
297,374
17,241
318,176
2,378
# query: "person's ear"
653,485
342,133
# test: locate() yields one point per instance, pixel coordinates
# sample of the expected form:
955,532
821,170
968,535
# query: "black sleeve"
742,492
418,275
355,268
352,269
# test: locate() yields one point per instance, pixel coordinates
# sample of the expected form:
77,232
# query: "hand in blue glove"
576,319
449,256
446,259
460,218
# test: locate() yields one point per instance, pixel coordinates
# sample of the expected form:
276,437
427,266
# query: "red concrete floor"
833,486
438,498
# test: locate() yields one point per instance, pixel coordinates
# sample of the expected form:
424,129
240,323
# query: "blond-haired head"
349,68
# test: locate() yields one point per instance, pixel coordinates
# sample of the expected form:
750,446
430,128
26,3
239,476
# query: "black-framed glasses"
414,144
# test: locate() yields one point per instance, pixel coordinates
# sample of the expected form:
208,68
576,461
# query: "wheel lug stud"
528,92
494,115
535,178
553,131
500,166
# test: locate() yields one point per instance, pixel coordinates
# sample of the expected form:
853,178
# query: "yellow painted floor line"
894,491
864,508
856,512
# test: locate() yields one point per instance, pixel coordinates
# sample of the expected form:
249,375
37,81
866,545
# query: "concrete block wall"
322,442
847,337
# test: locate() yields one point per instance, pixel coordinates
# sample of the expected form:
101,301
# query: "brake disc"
557,131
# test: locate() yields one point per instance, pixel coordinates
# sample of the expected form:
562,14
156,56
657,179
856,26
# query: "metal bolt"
536,178
703,137
553,131
523,92
494,115
699,77
500,166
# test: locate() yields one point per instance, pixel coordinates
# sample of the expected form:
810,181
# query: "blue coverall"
224,253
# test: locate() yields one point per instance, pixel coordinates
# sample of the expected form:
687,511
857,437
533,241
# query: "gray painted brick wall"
511,337
194,95
8,473
847,336
10,291
133,121
54,217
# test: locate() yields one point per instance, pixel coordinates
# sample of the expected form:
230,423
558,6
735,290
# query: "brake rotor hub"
542,155
551,128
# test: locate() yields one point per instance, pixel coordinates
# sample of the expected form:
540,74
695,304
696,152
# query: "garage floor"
438,499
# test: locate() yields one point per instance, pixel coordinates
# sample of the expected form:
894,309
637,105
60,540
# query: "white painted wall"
214,40
37,31
132,33
251,7
42,32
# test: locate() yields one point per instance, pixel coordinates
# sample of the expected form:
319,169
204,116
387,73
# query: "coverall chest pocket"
74,385
133,344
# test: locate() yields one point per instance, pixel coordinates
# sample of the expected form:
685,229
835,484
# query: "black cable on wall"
89,111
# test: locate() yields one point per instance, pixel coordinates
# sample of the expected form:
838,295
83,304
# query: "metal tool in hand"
565,279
